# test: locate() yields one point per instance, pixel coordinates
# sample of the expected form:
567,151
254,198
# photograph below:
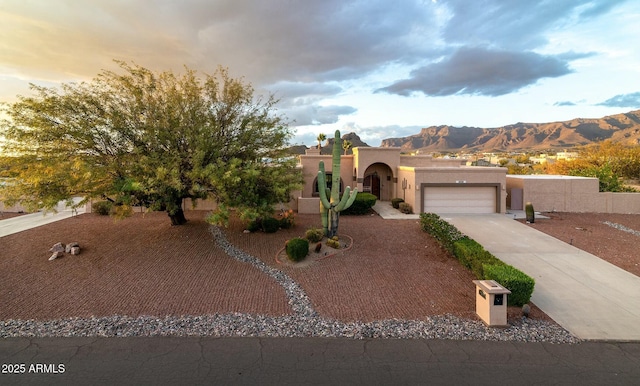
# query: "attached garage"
460,198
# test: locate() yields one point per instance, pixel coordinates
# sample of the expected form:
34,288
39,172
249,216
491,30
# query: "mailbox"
491,302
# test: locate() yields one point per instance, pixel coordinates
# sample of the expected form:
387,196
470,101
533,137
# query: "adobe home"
428,184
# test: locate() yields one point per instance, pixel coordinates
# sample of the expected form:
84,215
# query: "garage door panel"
458,199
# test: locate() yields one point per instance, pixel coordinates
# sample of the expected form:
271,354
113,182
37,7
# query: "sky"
380,68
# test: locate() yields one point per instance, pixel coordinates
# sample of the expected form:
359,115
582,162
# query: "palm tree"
321,137
346,145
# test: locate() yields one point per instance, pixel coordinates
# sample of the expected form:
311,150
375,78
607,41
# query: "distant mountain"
327,147
623,128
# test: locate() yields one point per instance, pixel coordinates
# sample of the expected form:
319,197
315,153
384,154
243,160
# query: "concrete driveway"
586,295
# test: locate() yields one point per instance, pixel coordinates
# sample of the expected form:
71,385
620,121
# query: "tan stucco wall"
572,194
310,168
429,161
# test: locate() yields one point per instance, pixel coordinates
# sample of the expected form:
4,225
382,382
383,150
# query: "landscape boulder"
59,249
70,246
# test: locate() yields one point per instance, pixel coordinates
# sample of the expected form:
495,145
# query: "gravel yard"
140,276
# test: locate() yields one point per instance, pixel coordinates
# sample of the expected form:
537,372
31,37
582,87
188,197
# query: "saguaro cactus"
330,202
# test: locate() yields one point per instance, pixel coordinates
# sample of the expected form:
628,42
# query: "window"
328,177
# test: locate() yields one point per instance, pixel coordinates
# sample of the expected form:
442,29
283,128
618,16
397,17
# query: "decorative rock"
75,250
56,254
69,246
57,247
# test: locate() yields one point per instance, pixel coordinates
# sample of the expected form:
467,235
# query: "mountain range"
623,128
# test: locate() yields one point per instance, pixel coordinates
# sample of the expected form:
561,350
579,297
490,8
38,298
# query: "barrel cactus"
530,214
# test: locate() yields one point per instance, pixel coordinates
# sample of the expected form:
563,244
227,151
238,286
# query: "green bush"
395,202
103,208
270,225
362,204
441,230
297,249
481,262
473,256
520,284
405,208
314,234
254,225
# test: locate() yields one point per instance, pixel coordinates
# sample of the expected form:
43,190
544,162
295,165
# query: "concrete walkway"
588,296
33,220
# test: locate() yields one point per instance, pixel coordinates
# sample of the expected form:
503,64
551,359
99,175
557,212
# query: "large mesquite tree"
138,137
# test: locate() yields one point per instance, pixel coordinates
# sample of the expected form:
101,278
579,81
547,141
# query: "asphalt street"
306,361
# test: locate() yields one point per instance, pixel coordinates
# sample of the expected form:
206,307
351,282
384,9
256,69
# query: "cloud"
313,114
480,71
631,100
515,24
565,103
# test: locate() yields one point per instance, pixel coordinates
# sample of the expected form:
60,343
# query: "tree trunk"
178,217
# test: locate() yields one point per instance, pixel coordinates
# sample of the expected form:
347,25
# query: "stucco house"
428,184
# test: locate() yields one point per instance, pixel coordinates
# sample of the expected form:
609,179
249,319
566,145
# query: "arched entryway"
372,184
378,180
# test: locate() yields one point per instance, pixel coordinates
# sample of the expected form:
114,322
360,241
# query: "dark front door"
371,184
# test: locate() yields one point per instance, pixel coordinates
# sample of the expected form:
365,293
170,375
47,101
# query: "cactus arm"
347,199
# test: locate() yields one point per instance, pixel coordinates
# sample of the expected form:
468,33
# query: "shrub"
103,208
441,230
481,262
405,208
254,225
473,256
270,225
297,249
520,284
362,204
314,235
395,202
288,219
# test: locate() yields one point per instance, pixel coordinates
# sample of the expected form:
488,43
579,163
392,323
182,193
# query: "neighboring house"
428,184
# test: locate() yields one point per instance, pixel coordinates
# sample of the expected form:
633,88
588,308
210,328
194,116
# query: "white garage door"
460,199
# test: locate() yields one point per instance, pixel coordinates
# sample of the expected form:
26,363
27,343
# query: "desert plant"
441,230
103,208
297,249
330,202
520,284
405,208
361,205
318,247
254,225
530,214
314,235
288,219
270,224
333,243
395,202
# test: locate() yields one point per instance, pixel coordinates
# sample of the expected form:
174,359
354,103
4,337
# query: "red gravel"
144,266
588,232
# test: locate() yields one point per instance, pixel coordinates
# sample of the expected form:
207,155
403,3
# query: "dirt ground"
144,266
589,232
